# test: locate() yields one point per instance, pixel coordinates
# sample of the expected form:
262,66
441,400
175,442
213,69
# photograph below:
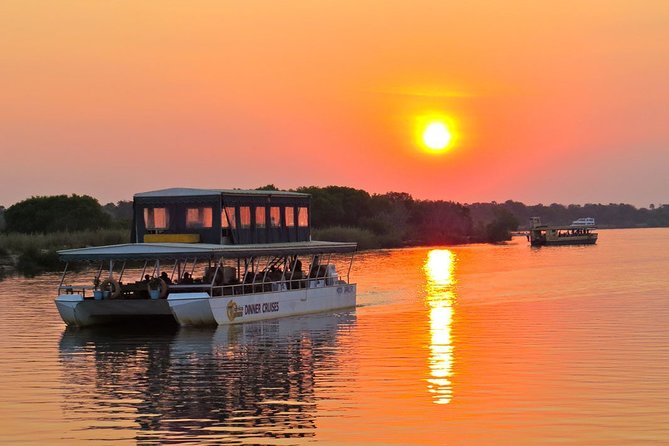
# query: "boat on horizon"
580,232
210,257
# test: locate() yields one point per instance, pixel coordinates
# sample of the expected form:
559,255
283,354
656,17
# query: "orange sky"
565,102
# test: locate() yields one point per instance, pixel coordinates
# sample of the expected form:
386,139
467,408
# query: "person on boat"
275,274
147,278
298,266
213,275
313,269
295,274
219,279
317,270
165,278
187,279
208,276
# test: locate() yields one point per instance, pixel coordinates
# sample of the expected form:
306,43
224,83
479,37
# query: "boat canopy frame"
182,253
319,273
172,251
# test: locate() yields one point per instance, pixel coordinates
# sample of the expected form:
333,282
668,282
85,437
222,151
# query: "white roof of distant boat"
584,221
192,192
152,251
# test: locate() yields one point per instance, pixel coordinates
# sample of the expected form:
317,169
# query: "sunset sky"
562,102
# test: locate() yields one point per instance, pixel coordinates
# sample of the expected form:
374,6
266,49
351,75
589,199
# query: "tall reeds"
17,243
36,253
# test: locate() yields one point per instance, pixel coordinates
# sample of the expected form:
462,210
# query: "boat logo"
234,310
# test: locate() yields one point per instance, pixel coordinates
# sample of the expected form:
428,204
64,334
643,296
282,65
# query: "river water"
477,345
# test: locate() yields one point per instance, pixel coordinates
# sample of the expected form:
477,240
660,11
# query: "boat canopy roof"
191,192
562,227
153,251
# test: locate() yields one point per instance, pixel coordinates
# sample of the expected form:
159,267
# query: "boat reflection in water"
440,281
201,385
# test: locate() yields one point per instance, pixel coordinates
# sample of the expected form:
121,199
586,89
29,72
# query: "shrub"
33,262
56,213
37,253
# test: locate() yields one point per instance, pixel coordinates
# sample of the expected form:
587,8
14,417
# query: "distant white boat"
584,221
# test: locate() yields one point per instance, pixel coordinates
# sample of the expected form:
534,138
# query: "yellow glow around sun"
435,132
436,136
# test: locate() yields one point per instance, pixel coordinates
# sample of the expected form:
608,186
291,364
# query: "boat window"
156,218
290,216
275,216
303,217
228,217
245,217
201,217
260,217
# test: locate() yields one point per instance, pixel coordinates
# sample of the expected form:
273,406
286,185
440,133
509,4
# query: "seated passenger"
229,275
274,274
297,265
165,278
208,275
248,279
295,276
315,270
187,279
294,267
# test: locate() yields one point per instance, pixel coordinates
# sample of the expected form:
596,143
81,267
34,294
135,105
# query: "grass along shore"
32,254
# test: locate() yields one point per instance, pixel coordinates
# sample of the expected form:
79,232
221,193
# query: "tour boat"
206,257
549,235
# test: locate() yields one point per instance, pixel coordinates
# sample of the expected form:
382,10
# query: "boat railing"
266,286
75,289
269,286
260,286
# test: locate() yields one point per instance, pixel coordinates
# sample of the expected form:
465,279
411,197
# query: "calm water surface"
454,345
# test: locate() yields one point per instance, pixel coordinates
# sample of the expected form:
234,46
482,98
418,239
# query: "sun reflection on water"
439,269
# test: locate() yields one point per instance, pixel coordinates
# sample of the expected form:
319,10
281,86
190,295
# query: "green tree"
440,221
268,187
121,213
500,228
337,205
56,213
389,218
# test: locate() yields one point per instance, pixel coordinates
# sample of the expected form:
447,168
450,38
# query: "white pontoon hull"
80,312
225,310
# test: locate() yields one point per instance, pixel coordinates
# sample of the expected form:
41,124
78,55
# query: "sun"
436,136
436,132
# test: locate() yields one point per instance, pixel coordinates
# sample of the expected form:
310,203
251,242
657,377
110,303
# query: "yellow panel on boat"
171,238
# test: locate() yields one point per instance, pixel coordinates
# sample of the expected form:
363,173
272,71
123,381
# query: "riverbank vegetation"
32,254
397,219
34,229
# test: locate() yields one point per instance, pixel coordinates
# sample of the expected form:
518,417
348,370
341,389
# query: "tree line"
348,214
